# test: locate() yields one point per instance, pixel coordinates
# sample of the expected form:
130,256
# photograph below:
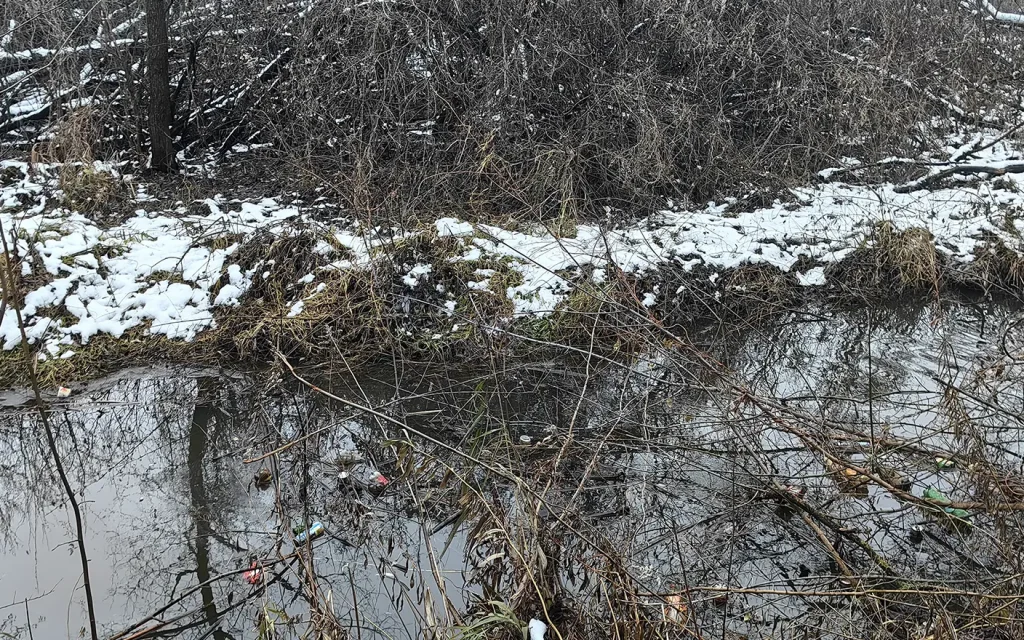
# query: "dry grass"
560,111
997,269
72,148
910,253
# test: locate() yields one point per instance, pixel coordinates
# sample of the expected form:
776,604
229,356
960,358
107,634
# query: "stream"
575,491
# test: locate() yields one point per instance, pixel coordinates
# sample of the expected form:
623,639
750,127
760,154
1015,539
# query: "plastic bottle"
315,531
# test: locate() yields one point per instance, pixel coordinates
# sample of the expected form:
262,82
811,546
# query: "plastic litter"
851,482
935,495
364,476
348,458
63,392
901,482
312,533
675,609
795,490
537,629
254,575
916,534
944,463
957,513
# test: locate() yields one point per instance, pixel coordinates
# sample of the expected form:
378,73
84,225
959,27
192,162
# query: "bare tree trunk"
161,111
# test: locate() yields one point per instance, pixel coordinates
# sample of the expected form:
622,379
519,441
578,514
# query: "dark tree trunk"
161,111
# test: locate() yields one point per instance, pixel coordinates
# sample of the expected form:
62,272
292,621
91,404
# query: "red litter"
254,574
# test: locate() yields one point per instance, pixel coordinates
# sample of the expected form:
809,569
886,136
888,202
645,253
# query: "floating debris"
957,513
263,479
675,609
255,574
901,482
896,479
312,533
916,534
348,458
795,490
364,476
934,495
851,481
537,629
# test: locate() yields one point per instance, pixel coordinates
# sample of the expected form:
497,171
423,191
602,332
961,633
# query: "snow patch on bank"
153,269
825,225
160,270
822,225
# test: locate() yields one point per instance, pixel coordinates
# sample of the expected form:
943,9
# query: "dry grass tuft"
910,253
889,263
72,146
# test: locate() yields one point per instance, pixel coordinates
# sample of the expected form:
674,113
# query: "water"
590,490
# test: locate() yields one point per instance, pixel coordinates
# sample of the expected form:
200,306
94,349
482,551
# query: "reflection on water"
635,481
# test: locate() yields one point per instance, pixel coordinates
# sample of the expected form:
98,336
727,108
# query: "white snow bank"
452,227
824,225
154,269
161,270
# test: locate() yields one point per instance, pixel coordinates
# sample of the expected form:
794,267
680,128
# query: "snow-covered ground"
159,269
162,271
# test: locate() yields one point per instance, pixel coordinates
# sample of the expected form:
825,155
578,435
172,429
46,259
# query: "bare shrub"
574,107
553,109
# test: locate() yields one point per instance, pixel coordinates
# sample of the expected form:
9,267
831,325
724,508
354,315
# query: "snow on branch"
934,178
1002,16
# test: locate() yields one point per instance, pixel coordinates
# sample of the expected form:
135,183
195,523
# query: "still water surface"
663,465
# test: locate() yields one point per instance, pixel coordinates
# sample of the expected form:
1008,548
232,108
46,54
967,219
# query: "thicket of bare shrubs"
551,109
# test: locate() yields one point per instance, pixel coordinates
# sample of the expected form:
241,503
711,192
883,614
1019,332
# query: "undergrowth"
556,111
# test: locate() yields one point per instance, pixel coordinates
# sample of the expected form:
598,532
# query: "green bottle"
935,495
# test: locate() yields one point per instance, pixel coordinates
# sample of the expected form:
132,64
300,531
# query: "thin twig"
9,287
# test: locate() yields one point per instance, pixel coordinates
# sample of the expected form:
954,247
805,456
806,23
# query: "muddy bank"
664,497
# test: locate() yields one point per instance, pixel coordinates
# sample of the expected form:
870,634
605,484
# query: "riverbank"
111,271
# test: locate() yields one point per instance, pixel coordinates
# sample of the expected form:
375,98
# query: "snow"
823,225
452,227
412,278
812,277
104,278
158,271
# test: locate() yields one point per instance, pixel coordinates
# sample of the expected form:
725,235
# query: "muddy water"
665,470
